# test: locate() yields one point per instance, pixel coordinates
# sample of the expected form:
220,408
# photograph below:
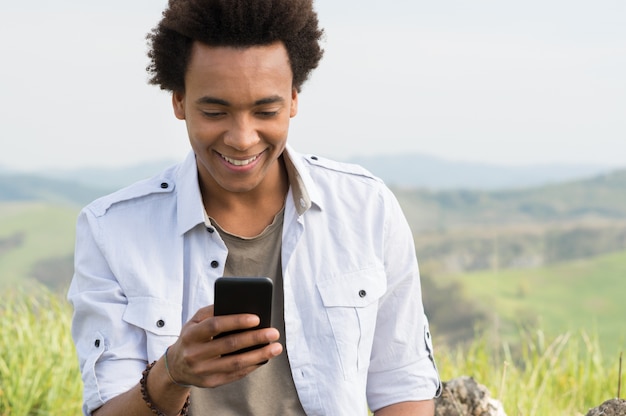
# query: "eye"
267,114
213,114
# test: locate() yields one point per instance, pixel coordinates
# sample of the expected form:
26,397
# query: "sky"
504,82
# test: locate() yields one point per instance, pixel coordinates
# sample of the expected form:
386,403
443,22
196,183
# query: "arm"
115,338
196,359
402,368
422,408
170,397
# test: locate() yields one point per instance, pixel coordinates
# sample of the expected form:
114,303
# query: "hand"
197,359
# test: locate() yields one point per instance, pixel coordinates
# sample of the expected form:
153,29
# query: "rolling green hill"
475,230
36,237
37,219
571,296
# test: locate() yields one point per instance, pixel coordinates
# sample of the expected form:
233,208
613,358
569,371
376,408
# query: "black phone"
253,295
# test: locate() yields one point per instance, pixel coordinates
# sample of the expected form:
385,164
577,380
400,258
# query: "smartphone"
253,295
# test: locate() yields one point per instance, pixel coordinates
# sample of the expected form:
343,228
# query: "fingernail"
273,335
276,349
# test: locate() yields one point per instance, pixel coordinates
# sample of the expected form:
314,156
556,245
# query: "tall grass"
559,375
38,365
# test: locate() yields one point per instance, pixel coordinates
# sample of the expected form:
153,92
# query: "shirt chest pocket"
351,306
160,321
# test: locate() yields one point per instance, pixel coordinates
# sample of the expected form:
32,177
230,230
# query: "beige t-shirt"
268,390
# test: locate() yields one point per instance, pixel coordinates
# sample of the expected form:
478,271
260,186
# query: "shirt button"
302,203
314,157
362,293
97,343
160,323
211,230
215,264
164,185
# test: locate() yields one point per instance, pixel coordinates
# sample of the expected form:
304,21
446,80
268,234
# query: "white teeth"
238,162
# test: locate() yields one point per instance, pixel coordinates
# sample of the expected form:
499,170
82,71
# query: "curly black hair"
233,23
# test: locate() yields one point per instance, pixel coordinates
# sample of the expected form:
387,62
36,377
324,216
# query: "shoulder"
319,165
334,183
158,186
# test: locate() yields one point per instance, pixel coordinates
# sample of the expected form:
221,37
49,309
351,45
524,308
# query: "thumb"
202,314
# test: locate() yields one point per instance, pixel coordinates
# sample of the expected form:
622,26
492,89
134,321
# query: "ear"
178,102
294,103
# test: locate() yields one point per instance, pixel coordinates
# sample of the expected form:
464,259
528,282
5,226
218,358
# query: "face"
237,105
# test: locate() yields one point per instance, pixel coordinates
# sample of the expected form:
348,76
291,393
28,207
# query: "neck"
248,213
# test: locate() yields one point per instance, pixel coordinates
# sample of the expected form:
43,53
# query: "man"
349,329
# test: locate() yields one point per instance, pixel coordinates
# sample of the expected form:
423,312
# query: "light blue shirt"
356,333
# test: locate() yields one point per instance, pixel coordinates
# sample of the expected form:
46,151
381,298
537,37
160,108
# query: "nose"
242,134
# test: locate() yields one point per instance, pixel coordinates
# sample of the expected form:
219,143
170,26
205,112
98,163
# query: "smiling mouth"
239,162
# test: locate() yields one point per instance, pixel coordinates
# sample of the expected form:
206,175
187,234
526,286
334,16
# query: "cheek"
279,138
199,131
281,131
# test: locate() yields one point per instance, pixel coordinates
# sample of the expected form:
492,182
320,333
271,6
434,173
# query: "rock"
613,407
463,396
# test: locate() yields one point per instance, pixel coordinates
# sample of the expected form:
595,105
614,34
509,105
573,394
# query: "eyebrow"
263,101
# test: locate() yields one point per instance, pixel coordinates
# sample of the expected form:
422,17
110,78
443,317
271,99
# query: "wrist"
170,399
169,373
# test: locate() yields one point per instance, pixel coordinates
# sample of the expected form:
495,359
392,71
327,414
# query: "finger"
251,359
193,331
234,367
243,340
227,323
205,330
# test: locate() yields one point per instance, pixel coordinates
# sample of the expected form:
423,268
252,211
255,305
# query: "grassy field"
41,231
38,365
573,296
553,375
562,374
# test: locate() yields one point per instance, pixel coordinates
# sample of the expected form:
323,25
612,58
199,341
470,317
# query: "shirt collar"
303,189
190,209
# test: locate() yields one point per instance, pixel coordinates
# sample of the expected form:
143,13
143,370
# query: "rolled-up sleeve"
402,366
127,288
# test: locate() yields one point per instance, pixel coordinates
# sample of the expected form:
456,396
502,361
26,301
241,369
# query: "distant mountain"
19,187
75,186
420,171
598,198
112,178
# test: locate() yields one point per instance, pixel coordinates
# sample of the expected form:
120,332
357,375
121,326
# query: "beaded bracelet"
146,398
